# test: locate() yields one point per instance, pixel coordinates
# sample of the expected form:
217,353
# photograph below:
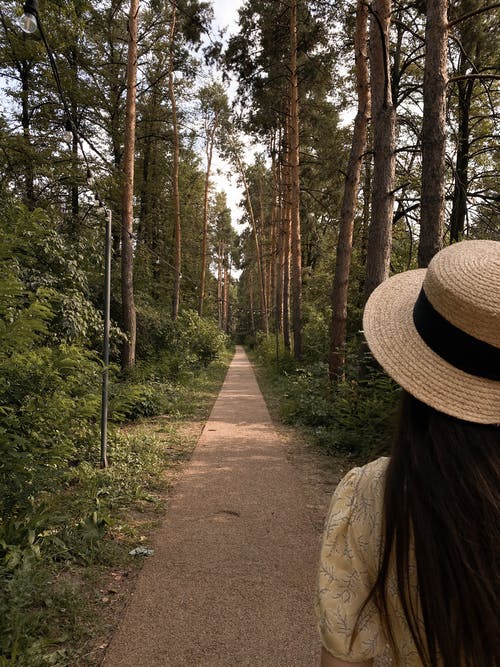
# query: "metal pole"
276,314
277,337
107,299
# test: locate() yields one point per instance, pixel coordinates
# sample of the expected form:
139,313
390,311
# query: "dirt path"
232,579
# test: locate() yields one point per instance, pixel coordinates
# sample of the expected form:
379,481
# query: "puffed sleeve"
348,567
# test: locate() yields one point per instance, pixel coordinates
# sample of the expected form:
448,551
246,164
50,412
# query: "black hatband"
458,348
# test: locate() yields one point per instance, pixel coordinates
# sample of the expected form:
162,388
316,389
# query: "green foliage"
363,416
42,605
76,319
315,335
37,616
308,399
130,400
351,416
50,556
178,351
200,336
152,330
180,347
49,400
279,360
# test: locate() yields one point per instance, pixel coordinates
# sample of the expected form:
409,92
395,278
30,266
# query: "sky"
226,12
226,16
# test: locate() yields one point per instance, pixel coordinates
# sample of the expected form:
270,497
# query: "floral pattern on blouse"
348,568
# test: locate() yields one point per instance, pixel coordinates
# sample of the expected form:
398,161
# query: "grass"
63,589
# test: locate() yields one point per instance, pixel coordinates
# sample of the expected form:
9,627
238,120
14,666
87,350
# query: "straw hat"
436,331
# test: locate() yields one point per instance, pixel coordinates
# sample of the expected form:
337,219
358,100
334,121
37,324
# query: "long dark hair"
442,499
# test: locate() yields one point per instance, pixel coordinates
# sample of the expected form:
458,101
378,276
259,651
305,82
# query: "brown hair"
442,500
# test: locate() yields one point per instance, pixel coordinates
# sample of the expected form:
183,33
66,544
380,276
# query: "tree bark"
286,234
433,132
459,207
252,305
286,277
280,232
263,234
127,247
351,189
175,173
274,251
225,310
296,249
210,150
75,203
384,131
220,295
365,216
258,254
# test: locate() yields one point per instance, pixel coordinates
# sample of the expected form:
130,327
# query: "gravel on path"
232,578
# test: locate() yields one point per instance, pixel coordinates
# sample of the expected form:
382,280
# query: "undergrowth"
353,417
85,523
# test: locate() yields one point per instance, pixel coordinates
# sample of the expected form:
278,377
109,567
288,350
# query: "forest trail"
233,575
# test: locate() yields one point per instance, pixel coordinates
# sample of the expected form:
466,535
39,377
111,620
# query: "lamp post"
107,299
29,20
30,23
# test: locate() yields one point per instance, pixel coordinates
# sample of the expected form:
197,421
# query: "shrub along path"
233,575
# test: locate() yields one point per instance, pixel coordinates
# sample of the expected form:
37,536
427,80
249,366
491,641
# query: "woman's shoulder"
348,565
356,505
373,470
365,483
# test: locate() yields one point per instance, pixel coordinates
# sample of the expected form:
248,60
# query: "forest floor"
232,577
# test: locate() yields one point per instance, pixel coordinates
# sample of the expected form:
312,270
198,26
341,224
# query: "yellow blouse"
348,569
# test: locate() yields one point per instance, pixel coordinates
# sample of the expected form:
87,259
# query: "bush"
309,399
265,352
73,526
129,401
153,331
316,338
199,336
50,402
364,416
181,346
351,416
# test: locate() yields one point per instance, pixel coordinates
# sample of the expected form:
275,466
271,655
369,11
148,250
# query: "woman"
409,571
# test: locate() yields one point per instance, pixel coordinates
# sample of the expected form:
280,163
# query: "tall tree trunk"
258,252
296,250
127,247
274,254
351,188
252,303
384,131
75,205
365,218
175,173
280,217
225,312
433,132
220,295
286,279
264,236
286,235
144,232
210,150
279,276
459,207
